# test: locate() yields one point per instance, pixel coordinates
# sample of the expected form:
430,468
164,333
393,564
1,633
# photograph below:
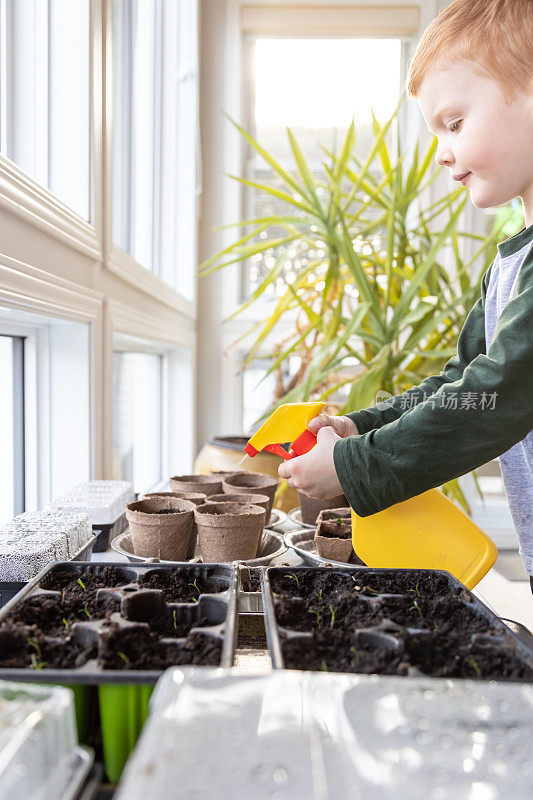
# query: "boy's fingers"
319,422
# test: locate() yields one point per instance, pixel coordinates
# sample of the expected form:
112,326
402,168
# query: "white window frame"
118,260
55,264
23,289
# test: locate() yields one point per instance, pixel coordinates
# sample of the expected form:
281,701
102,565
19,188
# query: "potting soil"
407,622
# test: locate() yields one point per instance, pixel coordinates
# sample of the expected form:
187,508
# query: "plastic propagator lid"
291,735
39,754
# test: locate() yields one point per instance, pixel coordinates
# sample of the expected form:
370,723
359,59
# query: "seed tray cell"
117,628
392,622
250,598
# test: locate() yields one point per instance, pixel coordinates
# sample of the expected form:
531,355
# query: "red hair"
497,35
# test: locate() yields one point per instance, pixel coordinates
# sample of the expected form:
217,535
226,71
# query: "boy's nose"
444,157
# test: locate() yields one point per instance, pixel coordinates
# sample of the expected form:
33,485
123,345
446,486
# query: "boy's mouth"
462,177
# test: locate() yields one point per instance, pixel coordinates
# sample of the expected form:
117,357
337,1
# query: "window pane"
155,80
45,97
334,81
7,467
137,32
137,411
259,392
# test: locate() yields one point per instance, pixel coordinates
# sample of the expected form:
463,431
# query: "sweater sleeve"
471,342
482,410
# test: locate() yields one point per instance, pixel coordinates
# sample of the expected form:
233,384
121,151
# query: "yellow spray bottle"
426,532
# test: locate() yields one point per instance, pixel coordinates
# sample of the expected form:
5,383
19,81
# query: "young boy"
472,74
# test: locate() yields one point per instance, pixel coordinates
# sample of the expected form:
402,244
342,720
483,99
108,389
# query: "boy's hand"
314,473
343,426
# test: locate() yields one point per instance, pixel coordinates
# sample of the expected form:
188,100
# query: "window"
335,81
259,389
155,136
45,405
137,418
45,95
329,92
12,429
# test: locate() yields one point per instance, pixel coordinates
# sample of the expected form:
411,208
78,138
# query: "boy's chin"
488,199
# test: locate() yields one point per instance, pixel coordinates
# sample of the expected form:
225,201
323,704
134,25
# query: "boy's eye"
455,126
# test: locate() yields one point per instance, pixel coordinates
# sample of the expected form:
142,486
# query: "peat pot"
310,507
229,531
162,527
251,483
333,537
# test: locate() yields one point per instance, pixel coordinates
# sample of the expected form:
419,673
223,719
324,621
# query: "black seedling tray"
8,589
121,615
393,622
106,533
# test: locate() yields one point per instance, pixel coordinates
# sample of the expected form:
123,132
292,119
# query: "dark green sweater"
403,450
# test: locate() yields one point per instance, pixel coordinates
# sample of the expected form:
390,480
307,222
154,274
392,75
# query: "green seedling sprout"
338,521
324,666
84,610
194,584
471,661
415,605
369,591
65,623
174,620
37,664
318,615
356,653
294,577
81,583
436,627
332,611
124,657
32,641
35,658
318,594
415,590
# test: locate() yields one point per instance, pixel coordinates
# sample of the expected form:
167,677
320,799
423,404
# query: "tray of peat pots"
251,483
271,547
393,622
109,631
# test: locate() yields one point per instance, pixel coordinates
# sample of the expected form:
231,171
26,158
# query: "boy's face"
486,142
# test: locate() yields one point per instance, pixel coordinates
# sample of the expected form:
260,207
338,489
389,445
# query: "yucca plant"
382,304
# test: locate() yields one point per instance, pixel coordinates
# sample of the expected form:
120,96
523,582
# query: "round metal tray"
277,519
296,516
302,542
272,546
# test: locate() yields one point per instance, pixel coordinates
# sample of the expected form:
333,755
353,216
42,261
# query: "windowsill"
24,197
123,265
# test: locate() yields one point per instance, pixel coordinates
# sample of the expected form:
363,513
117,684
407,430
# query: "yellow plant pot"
226,452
